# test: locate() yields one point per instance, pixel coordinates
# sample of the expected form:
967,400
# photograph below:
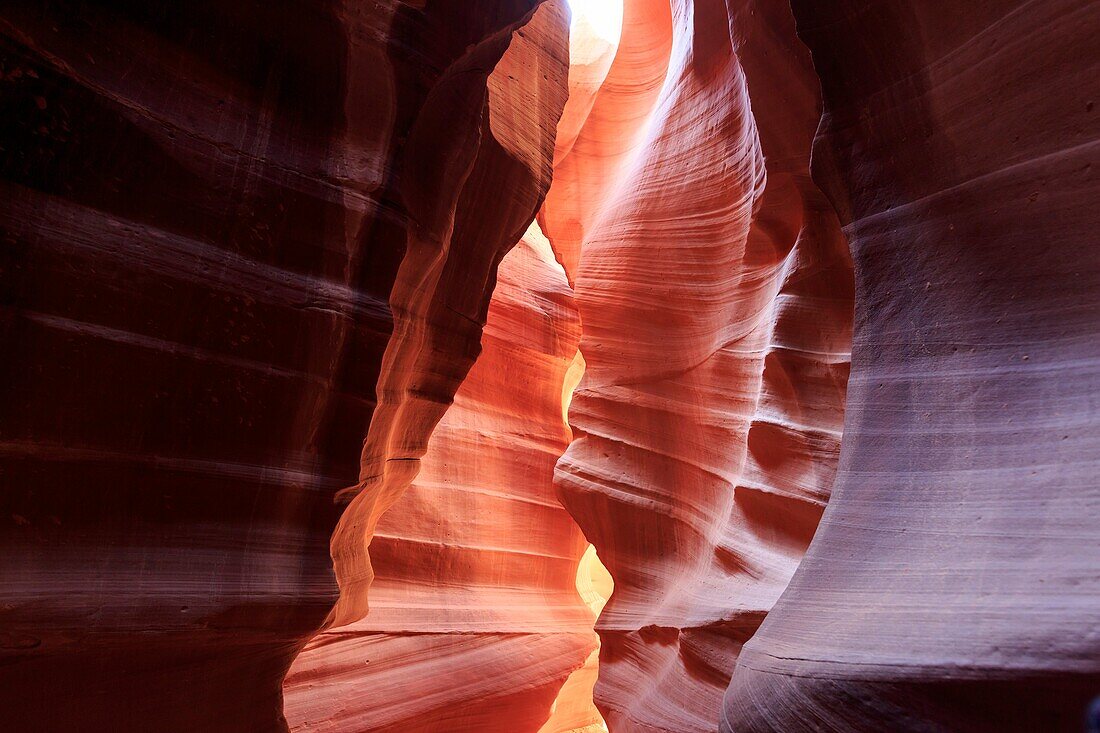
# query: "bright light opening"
600,18
594,583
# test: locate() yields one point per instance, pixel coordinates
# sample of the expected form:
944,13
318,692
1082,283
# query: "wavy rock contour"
714,288
246,258
223,227
952,584
477,563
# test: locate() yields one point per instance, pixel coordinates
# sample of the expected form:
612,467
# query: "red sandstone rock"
504,165
594,150
953,582
715,295
476,563
228,230
208,210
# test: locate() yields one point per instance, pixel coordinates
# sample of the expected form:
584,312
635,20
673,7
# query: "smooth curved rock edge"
206,214
477,561
953,582
227,229
715,292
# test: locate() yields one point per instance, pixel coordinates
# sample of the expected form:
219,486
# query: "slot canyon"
519,366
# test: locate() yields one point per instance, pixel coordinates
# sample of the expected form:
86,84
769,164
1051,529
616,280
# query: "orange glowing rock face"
477,563
715,291
514,80
235,236
274,330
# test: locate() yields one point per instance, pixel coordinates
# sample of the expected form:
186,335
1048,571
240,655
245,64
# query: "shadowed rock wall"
223,225
953,582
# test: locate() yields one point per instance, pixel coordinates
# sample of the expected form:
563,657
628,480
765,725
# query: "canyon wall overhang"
475,620
715,293
234,236
953,582
246,257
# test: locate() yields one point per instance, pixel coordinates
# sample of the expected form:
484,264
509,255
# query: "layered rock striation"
513,83
234,237
715,292
952,584
476,564
247,258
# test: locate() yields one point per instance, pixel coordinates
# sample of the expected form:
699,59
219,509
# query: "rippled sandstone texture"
715,292
475,603
226,228
953,582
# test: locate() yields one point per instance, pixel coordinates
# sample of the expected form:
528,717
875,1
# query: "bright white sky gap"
605,17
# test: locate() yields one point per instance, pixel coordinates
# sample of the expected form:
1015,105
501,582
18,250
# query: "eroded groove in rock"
205,209
604,125
715,289
477,562
500,166
246,257
952,584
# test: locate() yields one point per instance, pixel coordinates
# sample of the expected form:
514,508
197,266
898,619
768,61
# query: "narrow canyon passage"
480,575
478,566
501,366
708,328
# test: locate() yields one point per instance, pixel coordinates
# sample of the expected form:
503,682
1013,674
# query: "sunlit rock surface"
953,582
476,564
715,293
226,228
246,254
502,169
